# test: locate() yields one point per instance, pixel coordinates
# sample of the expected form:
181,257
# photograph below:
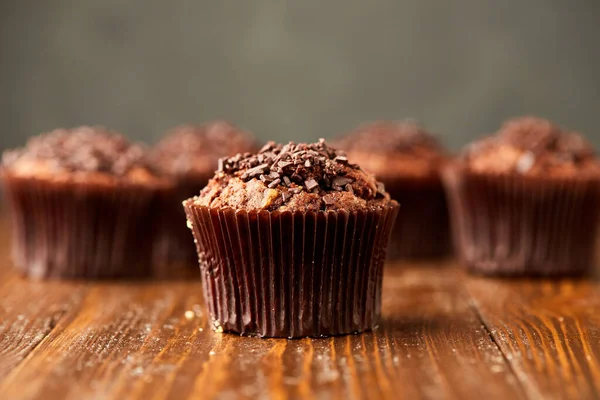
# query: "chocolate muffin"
81,204
526,201
292,242
188,155
407,159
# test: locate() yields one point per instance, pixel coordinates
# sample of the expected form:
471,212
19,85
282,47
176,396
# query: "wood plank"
440,344
549,331
135,341
28,310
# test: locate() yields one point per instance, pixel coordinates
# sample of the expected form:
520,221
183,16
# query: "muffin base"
517,225
422,230
67,229
292,274
176,243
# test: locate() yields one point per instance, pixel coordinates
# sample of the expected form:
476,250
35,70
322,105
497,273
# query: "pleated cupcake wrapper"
422,229
292,274
176,244
80,230
514,225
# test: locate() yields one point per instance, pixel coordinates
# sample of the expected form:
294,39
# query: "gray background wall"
297,69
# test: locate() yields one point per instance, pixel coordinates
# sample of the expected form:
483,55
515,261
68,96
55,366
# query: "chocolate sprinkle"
388,137
274,183
543,146
341,181
328,200
87,149
196,148
312,166
260,169
540,137
295,177
311,184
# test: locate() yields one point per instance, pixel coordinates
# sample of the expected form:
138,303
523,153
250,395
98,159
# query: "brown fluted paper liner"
80,230
422,230
292,274
517,225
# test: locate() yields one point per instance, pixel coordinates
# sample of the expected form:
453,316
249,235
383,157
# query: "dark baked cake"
296,177
407,159
525,201
188,154
532,146
194,150
81,204
292,242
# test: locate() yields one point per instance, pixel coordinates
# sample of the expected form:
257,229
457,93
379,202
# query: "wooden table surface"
444,335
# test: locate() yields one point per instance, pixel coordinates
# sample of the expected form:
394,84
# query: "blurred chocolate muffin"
407,159
525,201
188,154
81,203
292,242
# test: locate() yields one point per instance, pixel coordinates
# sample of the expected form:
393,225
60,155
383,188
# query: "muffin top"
82,152
388,148
532,146
294,177
196,149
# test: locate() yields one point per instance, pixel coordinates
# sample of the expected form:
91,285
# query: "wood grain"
28,310
548,330
440,344
135,341
444,335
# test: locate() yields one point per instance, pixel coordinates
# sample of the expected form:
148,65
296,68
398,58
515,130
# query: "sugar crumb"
189,315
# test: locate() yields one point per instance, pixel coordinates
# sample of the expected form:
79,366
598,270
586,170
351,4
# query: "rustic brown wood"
444,335
28,310
134,340
548,330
